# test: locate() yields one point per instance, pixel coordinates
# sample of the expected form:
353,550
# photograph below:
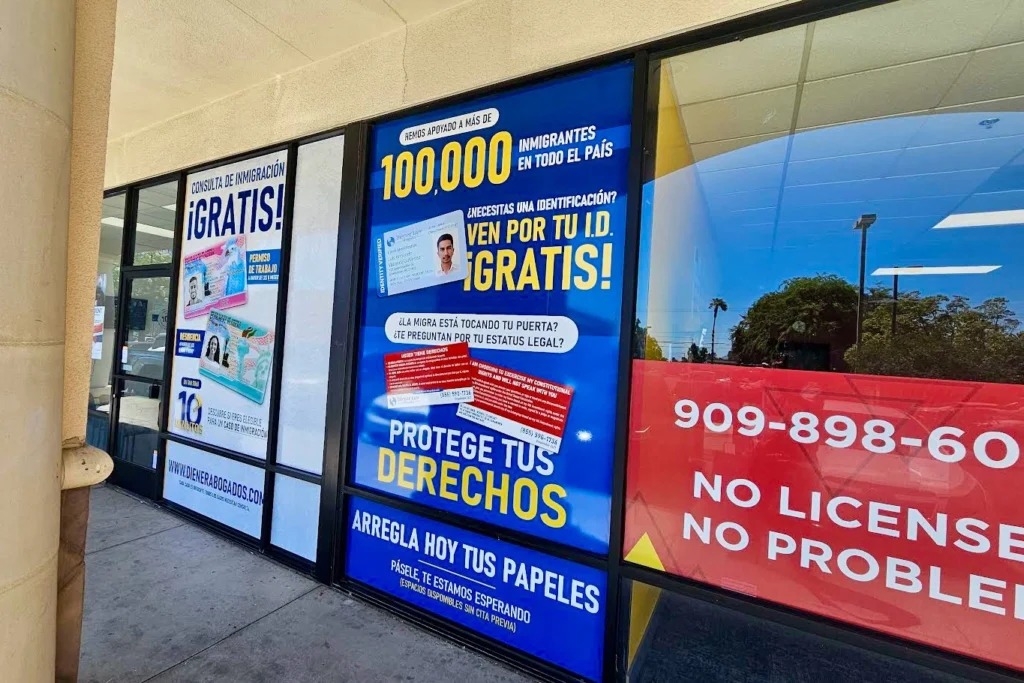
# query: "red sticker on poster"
885,502
430,376
518,405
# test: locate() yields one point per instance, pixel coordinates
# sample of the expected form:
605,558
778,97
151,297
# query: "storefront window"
138,423
828,354
489,347
307,344
146,338
108,275
154,224
224,339
685,640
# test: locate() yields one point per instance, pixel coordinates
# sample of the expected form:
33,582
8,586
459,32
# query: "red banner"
885,502
519,405
433,375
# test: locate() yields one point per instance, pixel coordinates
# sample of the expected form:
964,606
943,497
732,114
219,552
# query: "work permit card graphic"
238,355
433,376
517,405
215,277
424,254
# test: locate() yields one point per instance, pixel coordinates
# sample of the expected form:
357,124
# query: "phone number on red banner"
949,444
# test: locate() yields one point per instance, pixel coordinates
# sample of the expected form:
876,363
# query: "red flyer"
430,376
521,406
886,502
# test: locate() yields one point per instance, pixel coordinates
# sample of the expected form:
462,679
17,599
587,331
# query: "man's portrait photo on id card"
195,296
445,255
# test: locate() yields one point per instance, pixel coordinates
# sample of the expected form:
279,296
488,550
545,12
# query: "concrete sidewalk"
168,602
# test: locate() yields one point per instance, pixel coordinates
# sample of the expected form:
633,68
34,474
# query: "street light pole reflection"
862,224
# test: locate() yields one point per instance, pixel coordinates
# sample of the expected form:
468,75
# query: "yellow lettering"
556,520
549,254
405,470
512,229
471,498
530,511
425,471
538,229
482,275
385,465
583,252
505,268
500,492
528,274
566,266
446,479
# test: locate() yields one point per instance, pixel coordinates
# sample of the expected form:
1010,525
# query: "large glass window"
138,423
826,392
108,279
146,326
307,345
678,639
154,224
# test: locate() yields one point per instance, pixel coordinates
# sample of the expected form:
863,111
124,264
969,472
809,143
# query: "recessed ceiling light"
154,230
141,227
936,270
982,219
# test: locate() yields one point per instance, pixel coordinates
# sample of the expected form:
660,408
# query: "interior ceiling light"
141,227
170,207
982,219
936,270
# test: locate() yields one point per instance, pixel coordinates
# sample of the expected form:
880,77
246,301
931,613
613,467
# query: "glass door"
138,386
142,285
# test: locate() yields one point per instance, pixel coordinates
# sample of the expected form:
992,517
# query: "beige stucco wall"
472,45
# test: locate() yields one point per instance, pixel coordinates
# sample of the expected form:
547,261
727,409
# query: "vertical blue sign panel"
545,606
500,222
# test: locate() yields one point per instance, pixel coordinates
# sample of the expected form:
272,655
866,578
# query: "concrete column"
36,66
94,57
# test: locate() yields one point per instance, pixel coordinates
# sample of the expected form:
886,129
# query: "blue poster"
498,224
546,606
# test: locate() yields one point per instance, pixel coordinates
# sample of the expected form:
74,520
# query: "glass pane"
154,224
829,365
681,639
138,423
108,276
296,519
147,326
307,346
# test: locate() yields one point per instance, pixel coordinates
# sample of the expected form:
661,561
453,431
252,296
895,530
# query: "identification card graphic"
215,277
424,254
432,376
517,405
238,355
